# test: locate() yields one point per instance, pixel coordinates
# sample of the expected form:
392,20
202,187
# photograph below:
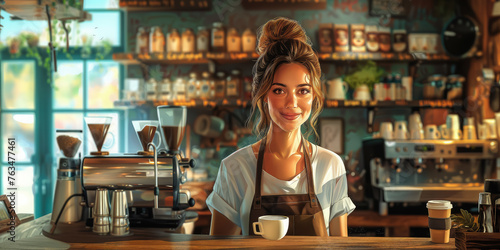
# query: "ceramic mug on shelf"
362,93
386,130
401,130
432,132
337,89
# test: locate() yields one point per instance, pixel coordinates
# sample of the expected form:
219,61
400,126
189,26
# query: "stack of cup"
120,225
386,130
487,130
101,212
401,130
469,131
453,131
416,127
439,220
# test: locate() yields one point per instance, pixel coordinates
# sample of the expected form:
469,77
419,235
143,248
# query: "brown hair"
281,41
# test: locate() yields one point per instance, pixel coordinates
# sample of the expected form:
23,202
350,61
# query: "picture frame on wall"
393,8
7,215
332,134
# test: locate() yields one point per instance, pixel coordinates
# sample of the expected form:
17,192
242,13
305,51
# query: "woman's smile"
290,116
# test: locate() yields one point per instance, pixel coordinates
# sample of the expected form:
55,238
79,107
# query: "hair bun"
280,29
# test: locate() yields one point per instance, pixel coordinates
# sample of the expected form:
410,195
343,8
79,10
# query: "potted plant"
362,79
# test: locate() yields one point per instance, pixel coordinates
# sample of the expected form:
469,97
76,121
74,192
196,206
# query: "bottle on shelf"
391,88
206,84
218,37
233,40
202,39
233,84
248,41
156,40
179,89
193,87
247,87
188,41
174,41
165,90
142,41
220,85
400,89
151,86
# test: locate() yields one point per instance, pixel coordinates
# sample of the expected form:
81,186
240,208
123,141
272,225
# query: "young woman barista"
283,174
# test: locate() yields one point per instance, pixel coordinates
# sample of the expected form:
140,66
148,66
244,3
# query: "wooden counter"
77,236
184,241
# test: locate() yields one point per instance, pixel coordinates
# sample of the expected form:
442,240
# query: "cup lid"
439,205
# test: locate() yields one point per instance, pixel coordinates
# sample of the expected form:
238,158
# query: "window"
32,109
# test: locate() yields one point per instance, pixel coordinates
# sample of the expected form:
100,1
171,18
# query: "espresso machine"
416,171
151,178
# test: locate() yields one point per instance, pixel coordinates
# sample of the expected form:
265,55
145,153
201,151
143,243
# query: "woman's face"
290,97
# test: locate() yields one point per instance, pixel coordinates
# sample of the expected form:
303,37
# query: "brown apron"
303,210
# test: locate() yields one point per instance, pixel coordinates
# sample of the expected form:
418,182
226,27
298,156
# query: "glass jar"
193,86
249,40
165,90
435,87
206,84
202,39
188,41
179,89
233,84
233,40
247,88
142,41
218,37
174,42
220,85
454,86
151,85
156,40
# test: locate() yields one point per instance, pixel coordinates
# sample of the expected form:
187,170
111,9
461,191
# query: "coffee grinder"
68,177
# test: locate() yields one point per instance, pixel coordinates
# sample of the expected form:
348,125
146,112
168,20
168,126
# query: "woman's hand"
221,225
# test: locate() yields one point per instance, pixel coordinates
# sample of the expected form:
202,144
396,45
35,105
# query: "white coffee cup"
415,122
487,130
386,130
444,131
337,89
271,227
469,132
417,134
453,122
401,130
497,119
432,132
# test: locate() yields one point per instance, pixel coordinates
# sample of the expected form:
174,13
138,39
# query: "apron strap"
257,199
308,166
258,178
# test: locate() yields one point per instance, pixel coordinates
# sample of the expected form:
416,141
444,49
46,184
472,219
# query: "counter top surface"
184,241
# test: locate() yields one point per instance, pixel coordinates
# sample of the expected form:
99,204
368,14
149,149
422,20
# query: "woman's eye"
278,91
304,91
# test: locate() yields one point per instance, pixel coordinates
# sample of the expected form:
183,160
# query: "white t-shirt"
234,187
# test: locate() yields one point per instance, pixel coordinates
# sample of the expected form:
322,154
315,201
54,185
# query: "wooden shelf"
165,5
393,104
359,56
183,58
35,10
237,103
205,57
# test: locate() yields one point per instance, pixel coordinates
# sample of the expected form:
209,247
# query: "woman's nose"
291,101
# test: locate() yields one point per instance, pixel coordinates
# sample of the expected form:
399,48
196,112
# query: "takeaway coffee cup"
439,220
271,227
